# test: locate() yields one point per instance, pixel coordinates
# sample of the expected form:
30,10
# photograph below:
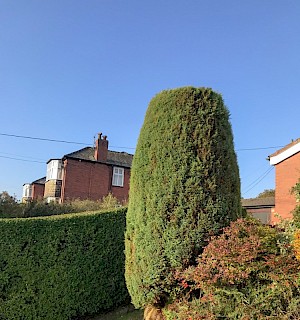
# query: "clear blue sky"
71,69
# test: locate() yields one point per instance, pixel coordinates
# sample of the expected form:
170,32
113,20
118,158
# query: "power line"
249,188
55,140
263,148
12,158
18,155
43,139
118,147
253,182
259,179
123,147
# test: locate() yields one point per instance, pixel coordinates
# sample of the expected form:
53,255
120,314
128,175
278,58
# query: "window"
118,177
54,170
27,190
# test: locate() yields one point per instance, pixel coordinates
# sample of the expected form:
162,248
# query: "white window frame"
27,190
118,177
54,170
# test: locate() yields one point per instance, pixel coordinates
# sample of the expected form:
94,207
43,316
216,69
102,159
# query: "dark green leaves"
63,266
184,186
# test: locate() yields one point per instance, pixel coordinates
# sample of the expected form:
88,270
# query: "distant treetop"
267,193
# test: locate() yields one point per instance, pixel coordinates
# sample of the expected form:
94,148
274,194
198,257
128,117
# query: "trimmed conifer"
184,187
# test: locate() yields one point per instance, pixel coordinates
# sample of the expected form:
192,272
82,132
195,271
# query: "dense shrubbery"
8,205
242,274
296,213
10,208
61,267
184,186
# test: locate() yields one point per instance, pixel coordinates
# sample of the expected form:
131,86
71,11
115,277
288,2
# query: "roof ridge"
294,142
259,201
85,148
124,152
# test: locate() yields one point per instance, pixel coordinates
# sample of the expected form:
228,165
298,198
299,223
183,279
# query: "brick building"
260,208
34,190
89,173
287,173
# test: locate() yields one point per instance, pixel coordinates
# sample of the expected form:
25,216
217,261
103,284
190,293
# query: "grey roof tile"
40,181
123,159
259,202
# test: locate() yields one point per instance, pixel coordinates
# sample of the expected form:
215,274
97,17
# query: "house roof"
53,159
268,202
285,152
40,181
122,159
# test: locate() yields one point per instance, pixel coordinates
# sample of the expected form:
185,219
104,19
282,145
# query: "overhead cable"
119,147
258,180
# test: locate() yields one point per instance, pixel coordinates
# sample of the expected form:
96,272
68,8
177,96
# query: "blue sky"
71,69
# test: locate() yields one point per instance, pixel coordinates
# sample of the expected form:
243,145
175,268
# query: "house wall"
90,180
38,191
121,193
262,214
52,189
287,174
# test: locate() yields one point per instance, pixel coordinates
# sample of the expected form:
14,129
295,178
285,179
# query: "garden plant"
184,188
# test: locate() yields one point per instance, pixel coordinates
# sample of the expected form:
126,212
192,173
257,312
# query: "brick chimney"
101,148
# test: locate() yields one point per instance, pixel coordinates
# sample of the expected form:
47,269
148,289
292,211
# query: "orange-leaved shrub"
296,220
296,244
241,274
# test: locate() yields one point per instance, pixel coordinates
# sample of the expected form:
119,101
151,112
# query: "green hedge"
62,267
184,187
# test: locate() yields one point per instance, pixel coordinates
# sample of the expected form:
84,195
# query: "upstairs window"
27,190
54,170
118,177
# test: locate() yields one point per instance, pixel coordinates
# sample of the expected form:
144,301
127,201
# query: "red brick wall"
287,174
121,193
38,191
90,180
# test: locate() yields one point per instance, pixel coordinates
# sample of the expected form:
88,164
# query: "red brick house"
89,173
287,173
34,190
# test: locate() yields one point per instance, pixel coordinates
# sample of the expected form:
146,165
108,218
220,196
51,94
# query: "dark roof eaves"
52,159
268,202
100,162
261,206
41,179
77,151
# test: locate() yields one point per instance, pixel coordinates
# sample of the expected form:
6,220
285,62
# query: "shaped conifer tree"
184,187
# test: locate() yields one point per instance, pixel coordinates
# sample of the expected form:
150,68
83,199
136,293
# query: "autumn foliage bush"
296,215
242,274
296,212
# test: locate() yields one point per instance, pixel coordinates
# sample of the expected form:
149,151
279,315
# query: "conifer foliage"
184,187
